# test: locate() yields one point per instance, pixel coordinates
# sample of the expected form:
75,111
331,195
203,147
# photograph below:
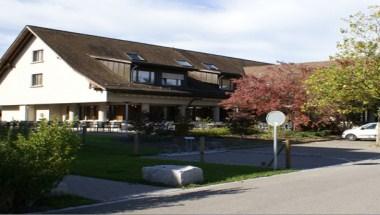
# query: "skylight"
210,66
135,57
184,63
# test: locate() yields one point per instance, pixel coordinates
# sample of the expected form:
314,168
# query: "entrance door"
134,112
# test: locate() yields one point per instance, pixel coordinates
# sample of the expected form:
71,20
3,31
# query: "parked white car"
367,131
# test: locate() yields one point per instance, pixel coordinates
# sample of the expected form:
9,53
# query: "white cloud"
267,30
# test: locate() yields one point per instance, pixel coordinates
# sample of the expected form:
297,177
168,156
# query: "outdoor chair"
99,125
113,126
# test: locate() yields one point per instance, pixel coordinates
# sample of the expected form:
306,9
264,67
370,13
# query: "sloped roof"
78,51
225,64
260,71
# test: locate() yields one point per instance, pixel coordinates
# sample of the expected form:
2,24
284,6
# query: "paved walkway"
106,190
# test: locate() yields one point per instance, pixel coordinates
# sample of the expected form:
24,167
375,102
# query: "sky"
263,30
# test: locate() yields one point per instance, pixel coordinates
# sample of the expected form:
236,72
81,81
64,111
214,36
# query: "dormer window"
184,63
144,77
210,66
135,57
38,56
172,79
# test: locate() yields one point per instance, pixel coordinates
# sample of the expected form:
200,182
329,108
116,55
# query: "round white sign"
276,118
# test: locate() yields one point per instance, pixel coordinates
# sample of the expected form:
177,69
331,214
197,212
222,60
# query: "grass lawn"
114,160
61,201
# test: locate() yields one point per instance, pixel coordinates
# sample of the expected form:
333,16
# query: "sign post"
275,119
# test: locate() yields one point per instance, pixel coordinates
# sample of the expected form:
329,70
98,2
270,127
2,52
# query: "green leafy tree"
351,83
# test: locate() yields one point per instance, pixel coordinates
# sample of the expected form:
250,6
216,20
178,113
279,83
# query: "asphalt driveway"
304,156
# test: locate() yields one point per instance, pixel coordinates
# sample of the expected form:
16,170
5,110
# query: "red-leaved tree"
279,87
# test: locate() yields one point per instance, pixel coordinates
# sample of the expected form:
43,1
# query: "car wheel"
351,137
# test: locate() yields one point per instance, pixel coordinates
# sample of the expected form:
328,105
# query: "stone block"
173,175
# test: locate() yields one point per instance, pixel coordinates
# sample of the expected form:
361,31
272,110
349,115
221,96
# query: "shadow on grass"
150,202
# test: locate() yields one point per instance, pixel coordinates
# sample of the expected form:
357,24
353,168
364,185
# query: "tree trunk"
202,146
136,143
378,128
287,154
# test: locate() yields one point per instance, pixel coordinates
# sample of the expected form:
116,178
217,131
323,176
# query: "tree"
351,85
281,88
347,87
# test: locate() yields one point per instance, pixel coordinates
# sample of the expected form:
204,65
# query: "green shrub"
307,134
31,166
241,123
211,132
163,132
141,123
295,134
182,128
10,130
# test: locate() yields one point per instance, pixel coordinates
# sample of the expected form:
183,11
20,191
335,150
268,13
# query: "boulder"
173,175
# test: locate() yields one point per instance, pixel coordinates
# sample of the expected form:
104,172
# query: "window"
141,76
184,63
171,79
207,77
210,66
135,57
225,84
38,56
36,80
370,126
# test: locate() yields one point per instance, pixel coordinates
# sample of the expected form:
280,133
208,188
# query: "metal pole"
84,133
275,164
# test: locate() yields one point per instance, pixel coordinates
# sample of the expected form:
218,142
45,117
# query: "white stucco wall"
10,113
33,112
61,84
